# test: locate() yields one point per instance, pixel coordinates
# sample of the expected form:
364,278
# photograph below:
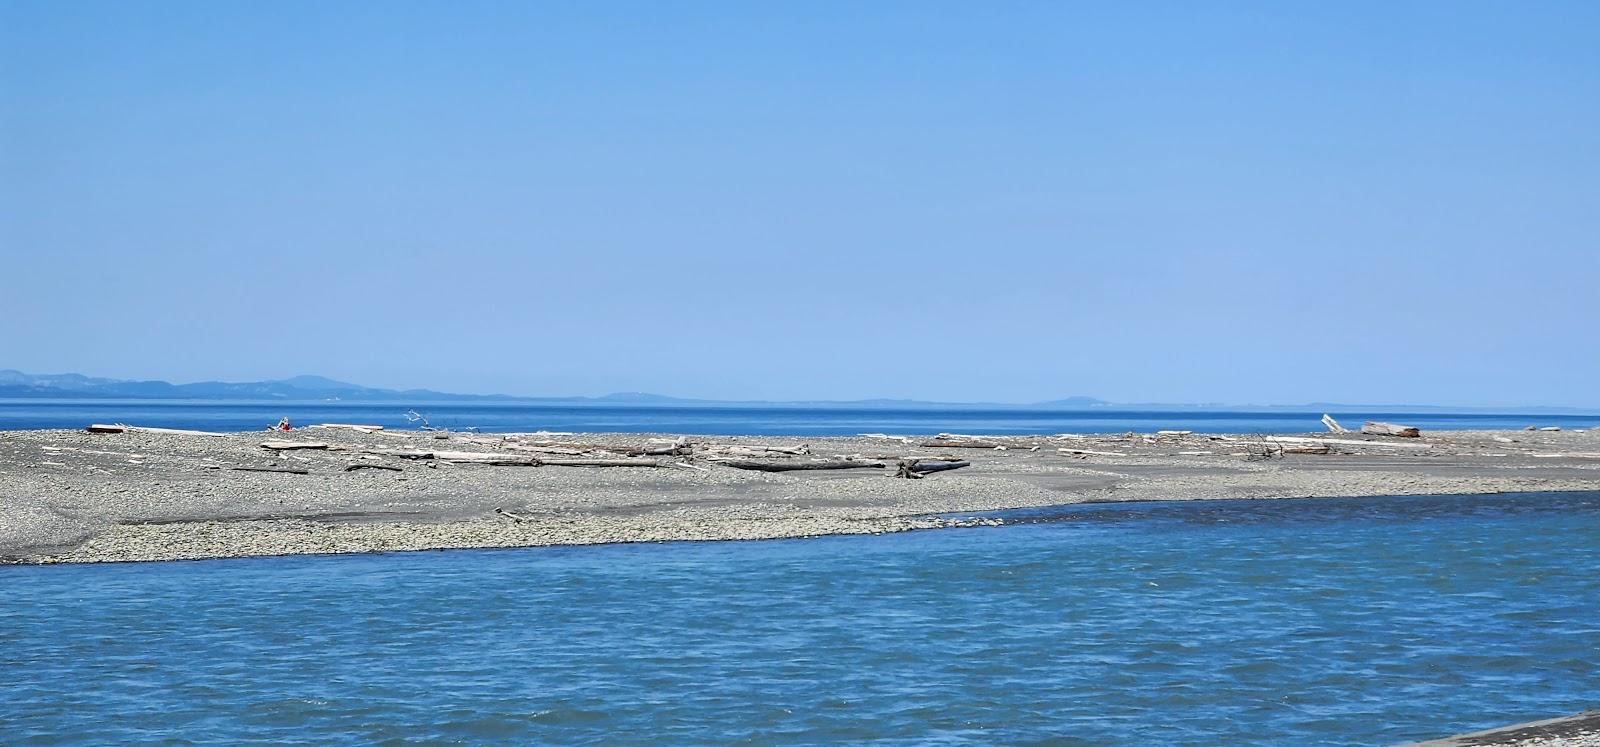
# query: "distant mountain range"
19,385
16,384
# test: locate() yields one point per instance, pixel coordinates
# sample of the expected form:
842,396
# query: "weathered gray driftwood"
1307,449
120,428
386,467
790,466
1374,428
601,462
757,449
511,516
284,470
537,462
292,445
950,443
1333,425
579,448
914,469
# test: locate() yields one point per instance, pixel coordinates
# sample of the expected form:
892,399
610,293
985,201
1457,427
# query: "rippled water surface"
1366,621
752,419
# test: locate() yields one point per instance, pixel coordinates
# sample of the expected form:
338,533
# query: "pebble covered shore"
72,496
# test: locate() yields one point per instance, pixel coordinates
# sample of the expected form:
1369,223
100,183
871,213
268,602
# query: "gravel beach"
72,496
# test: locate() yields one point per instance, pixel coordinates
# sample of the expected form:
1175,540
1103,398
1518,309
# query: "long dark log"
913,469
292,445
284,470
387,467
790,466
924,466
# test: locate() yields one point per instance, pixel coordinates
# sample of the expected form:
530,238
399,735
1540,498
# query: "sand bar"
72,496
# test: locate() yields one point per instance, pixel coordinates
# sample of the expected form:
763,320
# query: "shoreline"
75,497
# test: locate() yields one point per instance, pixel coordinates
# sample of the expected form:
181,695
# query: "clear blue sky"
1218,202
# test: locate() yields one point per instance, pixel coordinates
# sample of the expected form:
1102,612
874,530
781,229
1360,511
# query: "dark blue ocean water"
1365,622
725,420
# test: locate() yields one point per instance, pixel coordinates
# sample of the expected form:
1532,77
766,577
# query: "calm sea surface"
1307,622
742,420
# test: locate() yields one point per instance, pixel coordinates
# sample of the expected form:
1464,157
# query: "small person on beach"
283,425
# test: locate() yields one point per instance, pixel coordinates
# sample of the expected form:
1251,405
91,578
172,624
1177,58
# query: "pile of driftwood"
519,450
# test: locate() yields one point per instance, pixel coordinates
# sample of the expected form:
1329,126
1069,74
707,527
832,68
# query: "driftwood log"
511,516
292,445
537,462
1307,449
757,449
1333,425
120,428
284,470
601,463
790,466
1374,428
915,469
579,448
948,443
1089,452
1340,441
385,467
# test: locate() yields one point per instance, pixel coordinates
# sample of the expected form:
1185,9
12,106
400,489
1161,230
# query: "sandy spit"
70,496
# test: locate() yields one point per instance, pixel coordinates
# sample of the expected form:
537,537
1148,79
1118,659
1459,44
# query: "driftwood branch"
1333,425
511,516
284,470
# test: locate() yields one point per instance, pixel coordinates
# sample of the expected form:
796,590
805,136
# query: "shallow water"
1367,621
726,420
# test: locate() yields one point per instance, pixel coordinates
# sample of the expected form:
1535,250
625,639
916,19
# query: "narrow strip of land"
1581,730
74,496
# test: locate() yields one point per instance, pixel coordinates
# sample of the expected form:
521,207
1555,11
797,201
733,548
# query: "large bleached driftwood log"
1374,428
602,463
537,462
1090,452
790,466
292,445
1333,425
120,428
1320,440
579,448
757,449
951,443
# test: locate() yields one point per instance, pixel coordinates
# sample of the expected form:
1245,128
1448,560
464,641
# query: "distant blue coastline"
774,420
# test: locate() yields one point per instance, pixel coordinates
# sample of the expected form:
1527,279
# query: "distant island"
308,388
